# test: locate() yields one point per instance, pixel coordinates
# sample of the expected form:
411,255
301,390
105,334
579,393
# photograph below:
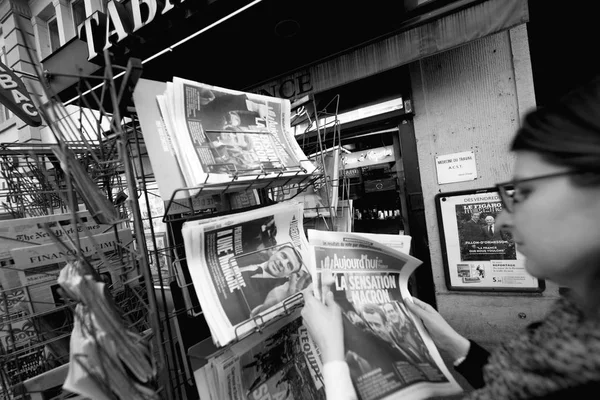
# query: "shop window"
53,35
78,12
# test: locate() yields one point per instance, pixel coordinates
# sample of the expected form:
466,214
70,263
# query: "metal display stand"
99,144
89,167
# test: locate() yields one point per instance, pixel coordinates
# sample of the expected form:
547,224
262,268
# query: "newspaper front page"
220,133
247,267
39,266
280,363
388,351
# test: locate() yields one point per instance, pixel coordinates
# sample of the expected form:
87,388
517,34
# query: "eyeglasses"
507,189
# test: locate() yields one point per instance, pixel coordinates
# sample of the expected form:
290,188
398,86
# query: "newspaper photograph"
388,351
282,363
219,133
248,266
479,254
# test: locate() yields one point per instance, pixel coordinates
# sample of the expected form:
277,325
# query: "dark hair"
566,132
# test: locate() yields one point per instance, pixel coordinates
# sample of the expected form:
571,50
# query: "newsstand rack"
100,149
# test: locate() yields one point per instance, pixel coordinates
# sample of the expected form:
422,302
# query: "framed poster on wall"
477,255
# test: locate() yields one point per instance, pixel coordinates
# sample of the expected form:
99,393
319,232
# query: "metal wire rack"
95,180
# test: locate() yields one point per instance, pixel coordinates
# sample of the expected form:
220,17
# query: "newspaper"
39,266
31,339
280,363
247,267
16,306
388,351
220,134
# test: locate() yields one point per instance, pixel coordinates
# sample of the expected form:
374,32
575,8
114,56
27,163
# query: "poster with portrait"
478,254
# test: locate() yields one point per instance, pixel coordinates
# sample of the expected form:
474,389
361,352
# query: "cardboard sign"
456,167
14,95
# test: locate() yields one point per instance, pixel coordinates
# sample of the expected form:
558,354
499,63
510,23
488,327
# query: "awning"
455,24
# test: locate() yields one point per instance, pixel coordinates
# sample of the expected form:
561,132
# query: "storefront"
444,78
440,57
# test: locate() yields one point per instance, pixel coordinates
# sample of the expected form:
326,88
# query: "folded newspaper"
247,267
388,351
280,363
250,268
220,134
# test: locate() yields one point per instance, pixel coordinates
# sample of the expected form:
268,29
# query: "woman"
557,173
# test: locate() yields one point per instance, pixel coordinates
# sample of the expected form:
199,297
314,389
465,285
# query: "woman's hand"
324,323
444,336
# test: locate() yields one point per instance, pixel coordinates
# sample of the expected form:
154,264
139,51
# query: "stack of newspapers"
210,136
280,363
250,272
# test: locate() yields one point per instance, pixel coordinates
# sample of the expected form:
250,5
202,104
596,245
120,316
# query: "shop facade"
460,95
464,76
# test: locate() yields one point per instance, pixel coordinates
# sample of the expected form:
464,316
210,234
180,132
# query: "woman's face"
555,224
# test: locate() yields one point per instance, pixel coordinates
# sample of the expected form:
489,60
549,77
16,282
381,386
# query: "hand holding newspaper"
389,353
249,269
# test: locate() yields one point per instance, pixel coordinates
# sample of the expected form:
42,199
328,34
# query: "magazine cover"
388,351
220,133
247,266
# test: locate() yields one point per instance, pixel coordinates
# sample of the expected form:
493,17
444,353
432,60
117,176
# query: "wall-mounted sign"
101,31
456,167
477,254
290,88
15,97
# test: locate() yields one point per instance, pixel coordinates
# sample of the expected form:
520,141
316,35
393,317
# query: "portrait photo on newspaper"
260,259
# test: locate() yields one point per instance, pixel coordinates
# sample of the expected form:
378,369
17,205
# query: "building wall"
473,98
16,28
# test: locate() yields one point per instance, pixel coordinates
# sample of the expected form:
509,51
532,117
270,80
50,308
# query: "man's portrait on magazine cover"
272,271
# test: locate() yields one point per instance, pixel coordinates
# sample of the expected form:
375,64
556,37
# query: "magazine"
388,351
280,363
247,267
220,135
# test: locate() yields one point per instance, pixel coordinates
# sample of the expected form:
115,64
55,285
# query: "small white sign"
457,167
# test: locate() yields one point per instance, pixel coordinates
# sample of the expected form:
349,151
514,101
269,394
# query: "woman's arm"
324,324
471,367
469,358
